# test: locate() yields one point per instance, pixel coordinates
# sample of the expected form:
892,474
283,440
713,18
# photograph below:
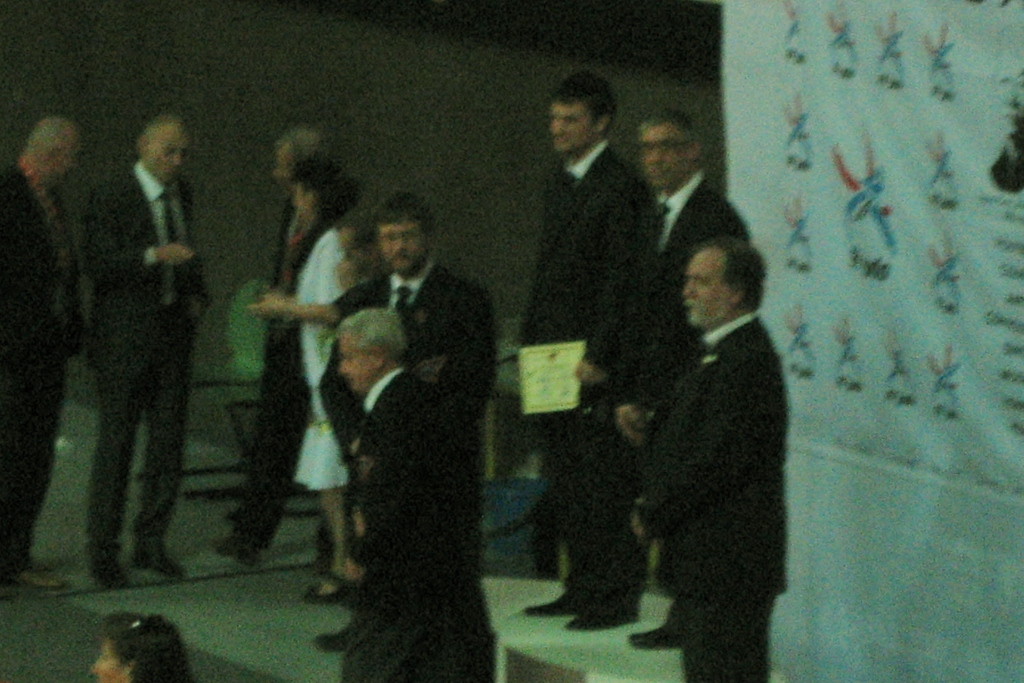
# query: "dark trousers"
419,647
158,392
725,642
594,481
282,415
31,395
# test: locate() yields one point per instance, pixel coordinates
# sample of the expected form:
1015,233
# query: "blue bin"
506,501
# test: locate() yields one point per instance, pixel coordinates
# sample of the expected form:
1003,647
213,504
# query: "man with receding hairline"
282,409
41,329
148,294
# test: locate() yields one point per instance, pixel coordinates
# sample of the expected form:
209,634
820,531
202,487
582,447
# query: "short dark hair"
404,207
151,644
592,90
677,118
336,193
744,268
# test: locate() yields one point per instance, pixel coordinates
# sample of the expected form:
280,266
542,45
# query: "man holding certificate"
592,217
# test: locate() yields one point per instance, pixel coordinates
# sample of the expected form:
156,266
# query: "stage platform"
541,650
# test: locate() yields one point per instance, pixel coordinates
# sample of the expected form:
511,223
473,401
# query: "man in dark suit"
283,405
449,326
713,487
148,296
1008,170
591,233
42,328
420,612
658,342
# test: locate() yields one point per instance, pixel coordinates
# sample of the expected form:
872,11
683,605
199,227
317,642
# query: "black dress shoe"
563,606
333,642
660,638
157,560
108,573
596,621
238,550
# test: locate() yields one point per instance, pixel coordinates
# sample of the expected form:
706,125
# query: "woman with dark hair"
322,195
140,649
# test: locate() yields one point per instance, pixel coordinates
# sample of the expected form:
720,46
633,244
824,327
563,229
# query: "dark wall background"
456,115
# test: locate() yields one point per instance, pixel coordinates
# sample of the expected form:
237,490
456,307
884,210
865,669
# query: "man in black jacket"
658,343
283,405
449,327
148,295
593,208
420,612
42,327
713,480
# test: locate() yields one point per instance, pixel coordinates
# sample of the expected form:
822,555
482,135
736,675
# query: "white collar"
374,393
414,284
677,200
580,168
719,333
151,187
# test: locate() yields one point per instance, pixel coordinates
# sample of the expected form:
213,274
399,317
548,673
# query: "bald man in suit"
148,296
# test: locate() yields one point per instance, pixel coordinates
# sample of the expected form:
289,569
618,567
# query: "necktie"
402,301
167,231
666,227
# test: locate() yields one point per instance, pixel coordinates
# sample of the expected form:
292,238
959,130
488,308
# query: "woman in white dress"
322,195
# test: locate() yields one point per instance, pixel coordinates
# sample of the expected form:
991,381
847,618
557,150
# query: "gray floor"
249,625
241,624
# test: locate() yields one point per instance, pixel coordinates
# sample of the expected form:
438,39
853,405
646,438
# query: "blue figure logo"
794,48
898,385
798,144
940,71
801,355
946,402
890,61
944,193
848,370
842,47
867,247
946,283
798,245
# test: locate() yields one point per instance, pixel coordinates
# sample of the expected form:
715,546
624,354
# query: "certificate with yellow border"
547,376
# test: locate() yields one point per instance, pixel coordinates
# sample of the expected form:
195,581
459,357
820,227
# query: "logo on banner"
890,61
946,281
798,144
944,390
849,373
866,217
940,70
899,386
943,192
842,48
794,45
798,244
799,351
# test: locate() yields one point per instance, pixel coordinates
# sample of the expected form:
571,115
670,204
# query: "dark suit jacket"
126,315
30,278
411,490
591,233
713,479
449,317
657,340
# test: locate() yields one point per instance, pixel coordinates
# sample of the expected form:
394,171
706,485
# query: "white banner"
876,147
